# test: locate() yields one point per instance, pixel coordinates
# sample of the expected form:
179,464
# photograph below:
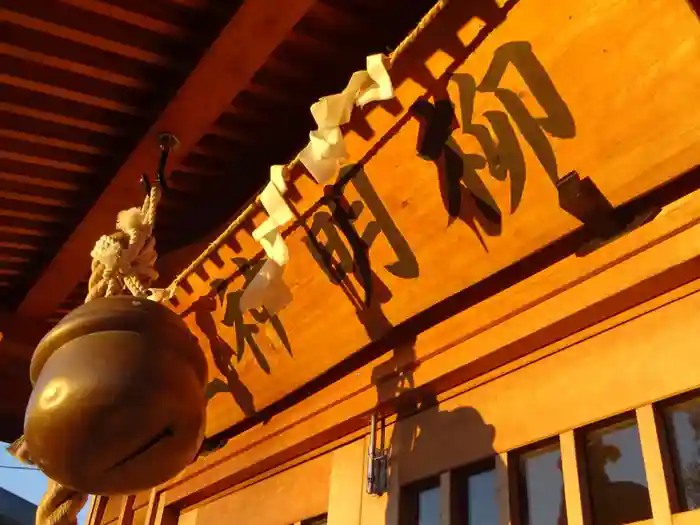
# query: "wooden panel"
570,295
692,517
188,518
113,508
126,513
504,486
98,505
625,144
628,343
224,71
577,512
657,476
348,482
115,504
293,495
446,490
560,395
140,515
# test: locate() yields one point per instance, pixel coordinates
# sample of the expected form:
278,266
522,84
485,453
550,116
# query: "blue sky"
28,484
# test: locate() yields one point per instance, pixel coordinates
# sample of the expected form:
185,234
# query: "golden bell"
118,401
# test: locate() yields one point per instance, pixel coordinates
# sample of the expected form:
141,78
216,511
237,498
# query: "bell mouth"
121,313
164,434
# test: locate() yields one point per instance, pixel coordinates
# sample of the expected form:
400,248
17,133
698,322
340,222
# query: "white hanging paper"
322,157
272,197
381,87
333,111
267,287
326,151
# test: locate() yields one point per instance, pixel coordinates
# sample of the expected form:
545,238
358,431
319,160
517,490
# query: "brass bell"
118,402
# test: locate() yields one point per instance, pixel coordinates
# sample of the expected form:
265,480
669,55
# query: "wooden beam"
225,70
19,335
658,478
11,422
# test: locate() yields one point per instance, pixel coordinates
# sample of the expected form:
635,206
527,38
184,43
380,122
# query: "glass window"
617,480
429,506
477,500
683,429
420,503
542,486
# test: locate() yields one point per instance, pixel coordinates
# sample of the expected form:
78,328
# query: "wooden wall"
495,318
614,368
561,88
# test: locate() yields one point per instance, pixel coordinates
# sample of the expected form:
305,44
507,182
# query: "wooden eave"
85,88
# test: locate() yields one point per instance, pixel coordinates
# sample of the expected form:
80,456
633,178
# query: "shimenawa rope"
250,208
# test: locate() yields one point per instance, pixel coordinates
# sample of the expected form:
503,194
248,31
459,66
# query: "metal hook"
168,142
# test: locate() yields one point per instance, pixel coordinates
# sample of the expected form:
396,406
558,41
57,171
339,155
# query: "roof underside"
82,82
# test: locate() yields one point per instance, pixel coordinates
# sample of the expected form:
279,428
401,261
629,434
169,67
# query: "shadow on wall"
432,443
222,354
225,356
427,442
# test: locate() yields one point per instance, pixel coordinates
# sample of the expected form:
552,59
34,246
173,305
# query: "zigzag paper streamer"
322,157
326,151
267,287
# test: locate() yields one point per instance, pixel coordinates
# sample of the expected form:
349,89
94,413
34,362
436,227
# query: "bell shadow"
613,502
222,353
424,446
431,443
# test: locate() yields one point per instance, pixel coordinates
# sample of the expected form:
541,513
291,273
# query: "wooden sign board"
448,191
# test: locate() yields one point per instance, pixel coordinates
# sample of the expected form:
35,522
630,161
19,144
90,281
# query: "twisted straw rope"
252,206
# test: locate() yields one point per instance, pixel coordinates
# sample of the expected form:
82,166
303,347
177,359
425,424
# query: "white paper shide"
322,157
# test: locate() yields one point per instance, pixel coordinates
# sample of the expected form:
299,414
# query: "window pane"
477,502
683,425
420,503
542,486
483,503
618,483
429,506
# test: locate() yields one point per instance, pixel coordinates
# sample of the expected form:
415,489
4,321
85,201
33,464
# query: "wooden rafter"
225,70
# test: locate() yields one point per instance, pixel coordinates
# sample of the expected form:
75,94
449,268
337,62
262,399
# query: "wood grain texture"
573,472
654,464
597,353
293,495
347,484
626,144
573,294
225,70
505,419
